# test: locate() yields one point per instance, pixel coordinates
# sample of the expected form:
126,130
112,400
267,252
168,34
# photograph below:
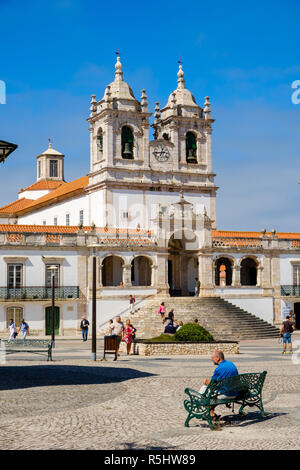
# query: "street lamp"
53,270
94,307
6,148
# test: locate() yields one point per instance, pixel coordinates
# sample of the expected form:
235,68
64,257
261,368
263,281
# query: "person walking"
12,330
286,331
84,325
128,333
118,331
110,327
197,287
24,329
131,303
162,311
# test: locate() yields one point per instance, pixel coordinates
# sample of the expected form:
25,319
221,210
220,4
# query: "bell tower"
186,129
119,131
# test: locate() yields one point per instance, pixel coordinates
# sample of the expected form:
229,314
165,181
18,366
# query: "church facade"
147,211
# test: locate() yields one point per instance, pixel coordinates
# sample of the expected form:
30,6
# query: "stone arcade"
148,207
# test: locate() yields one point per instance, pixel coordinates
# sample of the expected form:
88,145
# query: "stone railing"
236,242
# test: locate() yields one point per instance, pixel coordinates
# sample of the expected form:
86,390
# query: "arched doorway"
297,314
248,272
226,262
182,263
141,271
112,271
48,320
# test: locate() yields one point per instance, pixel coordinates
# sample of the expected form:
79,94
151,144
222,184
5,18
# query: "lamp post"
6,148
53,270
94,308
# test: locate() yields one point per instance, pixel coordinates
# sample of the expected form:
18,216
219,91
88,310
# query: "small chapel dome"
118,88
182,96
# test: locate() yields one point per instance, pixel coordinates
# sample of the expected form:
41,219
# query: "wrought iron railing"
293,291
66,292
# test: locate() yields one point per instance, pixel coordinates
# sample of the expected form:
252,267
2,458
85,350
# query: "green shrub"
192,332
162,339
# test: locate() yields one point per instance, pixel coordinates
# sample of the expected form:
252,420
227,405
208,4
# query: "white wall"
286,268
34,267
59,210
262,307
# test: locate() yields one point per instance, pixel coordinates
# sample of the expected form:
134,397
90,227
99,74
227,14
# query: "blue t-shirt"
225,369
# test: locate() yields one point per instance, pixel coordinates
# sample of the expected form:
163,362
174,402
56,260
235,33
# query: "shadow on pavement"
18,377
248,419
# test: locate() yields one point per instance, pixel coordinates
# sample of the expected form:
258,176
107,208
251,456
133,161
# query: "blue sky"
244,55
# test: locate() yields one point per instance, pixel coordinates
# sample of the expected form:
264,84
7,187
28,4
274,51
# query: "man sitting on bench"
224,369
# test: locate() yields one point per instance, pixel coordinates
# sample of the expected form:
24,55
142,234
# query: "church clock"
161,153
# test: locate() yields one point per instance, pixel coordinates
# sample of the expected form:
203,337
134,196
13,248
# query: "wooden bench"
244,389
35,346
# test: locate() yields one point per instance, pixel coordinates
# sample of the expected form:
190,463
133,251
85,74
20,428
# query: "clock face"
161,153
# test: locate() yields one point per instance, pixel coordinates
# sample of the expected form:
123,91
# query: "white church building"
147,210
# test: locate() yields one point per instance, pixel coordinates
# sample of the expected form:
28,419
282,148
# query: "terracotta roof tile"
231,234
63,191
12,207
43,184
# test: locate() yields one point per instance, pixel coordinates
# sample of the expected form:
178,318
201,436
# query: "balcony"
292,291
39,293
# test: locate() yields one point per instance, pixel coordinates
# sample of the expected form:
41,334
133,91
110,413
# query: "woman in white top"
12,329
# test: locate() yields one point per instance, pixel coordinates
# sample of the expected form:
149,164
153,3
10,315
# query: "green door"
49,320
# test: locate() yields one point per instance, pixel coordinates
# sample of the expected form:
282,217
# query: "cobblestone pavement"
137,402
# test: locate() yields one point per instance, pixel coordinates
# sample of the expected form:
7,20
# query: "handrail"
125,310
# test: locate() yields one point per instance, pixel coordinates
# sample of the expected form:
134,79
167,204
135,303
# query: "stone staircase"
222,319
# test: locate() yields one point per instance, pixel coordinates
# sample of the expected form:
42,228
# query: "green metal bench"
35,346
245,389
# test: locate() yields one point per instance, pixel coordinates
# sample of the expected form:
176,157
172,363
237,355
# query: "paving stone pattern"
137,402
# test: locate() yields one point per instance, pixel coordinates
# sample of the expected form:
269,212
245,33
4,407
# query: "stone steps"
223,319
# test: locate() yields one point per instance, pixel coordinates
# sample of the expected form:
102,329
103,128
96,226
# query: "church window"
14,276
81,217
15,313
39,169
100,141
50,272
127,143
191,147
67,219
296,275
248,272
55,221
53,169
44,222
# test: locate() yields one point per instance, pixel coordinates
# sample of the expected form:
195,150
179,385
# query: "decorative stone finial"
180,75
263,231
107,96
273,231
157,112
207,109
50,143
93,107
173,100
119,70
144,102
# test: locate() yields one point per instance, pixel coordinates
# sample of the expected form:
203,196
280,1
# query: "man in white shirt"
118,331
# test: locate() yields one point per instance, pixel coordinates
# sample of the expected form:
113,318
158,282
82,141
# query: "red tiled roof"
63,191
43,184
12,207
231,234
